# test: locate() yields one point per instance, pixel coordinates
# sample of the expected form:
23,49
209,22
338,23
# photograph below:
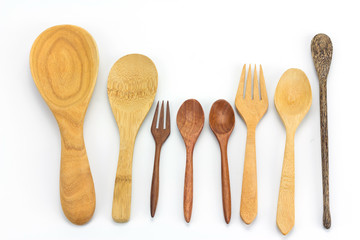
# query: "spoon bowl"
64,64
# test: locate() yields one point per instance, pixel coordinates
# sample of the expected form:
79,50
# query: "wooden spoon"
292,100
321,50
190,121
222,121
64,64
132,86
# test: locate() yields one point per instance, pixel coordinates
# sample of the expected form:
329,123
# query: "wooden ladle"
292,100
222,121
132,86
190,121
321,51
64,64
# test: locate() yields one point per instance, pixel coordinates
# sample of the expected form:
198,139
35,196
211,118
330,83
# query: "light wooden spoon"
222,122
132,86
190,121
292,100
64,64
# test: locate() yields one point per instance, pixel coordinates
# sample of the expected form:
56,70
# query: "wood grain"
322,50
222,122
251,109
132,85
292,101
190,121
64,64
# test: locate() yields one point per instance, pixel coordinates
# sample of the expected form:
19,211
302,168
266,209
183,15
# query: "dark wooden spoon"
190,121
321,51
222,121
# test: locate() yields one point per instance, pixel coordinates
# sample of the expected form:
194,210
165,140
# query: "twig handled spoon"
292,101
64,64
222,121
190,121
321,51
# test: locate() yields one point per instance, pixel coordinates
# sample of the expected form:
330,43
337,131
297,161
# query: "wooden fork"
160,135
251,109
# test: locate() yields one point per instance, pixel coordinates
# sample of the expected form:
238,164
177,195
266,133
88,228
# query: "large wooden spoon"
190,121
64,64
321,51
132,86
292,100
222,122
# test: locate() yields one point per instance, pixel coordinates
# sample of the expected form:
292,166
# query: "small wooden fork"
160,135
251,109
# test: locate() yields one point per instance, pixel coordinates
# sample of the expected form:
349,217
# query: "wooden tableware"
131,87
190,121
251,109
64,64
222,121
321,51
160,135
292,100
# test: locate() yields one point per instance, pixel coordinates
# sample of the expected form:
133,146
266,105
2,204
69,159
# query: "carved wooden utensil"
132,86
64,64
292,100
321,51
160,135
222,121
190,121
251,109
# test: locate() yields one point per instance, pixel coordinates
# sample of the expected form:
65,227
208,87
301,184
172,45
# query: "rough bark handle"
77,192
188,185
155,181
285,218
225,183
249,201
324,154
122,191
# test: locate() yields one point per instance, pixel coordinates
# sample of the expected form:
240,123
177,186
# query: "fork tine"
240,91
167,116
248,84
262,85
161,120
153,125
256,85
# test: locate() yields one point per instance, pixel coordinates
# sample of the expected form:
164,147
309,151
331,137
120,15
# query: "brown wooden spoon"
64,64
190,121
222,121
321,51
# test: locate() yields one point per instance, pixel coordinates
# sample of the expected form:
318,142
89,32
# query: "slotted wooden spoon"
64,64
132,86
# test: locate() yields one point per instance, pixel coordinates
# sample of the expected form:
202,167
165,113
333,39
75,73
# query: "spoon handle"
188,185
155,181
77,192
122,190
324,154
225,183
285,218
248,206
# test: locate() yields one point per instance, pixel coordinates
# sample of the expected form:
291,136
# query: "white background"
199,48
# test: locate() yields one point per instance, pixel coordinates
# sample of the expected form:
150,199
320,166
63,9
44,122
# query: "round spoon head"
293,97
64,64
321,51
221,118
190,120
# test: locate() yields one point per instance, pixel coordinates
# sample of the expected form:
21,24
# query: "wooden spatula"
64,64
132,86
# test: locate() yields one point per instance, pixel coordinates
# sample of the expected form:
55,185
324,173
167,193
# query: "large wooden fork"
251,109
